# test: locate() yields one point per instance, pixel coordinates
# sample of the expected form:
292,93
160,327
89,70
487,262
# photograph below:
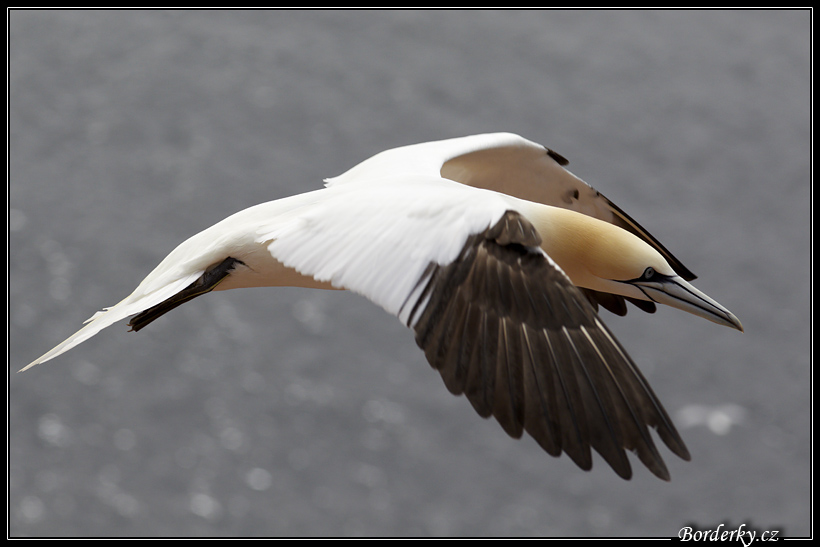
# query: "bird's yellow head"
603,257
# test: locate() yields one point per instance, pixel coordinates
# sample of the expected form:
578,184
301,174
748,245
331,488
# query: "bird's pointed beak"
676,292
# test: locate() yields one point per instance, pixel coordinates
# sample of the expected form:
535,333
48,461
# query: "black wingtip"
561,160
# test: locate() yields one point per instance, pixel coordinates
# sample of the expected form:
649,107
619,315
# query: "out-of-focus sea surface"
286,412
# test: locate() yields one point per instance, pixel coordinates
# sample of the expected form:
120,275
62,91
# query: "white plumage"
382,255
494,254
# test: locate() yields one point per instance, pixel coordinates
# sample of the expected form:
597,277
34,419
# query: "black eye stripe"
649,274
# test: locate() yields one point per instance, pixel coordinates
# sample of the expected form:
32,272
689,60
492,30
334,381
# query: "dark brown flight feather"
504,326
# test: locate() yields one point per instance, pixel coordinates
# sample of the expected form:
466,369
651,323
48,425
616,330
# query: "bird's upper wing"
526,170
515,166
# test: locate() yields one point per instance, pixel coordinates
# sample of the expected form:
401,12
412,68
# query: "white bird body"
463,240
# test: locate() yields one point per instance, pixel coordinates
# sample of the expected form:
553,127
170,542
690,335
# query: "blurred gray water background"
302,413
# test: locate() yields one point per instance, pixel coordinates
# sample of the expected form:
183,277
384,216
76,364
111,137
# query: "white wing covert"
377,239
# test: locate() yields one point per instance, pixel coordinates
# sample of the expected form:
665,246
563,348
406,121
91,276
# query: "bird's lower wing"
499,320
506,328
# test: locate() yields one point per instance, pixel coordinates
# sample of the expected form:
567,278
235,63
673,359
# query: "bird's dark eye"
648,273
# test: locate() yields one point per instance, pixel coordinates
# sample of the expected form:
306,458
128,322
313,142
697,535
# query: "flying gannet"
495,255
